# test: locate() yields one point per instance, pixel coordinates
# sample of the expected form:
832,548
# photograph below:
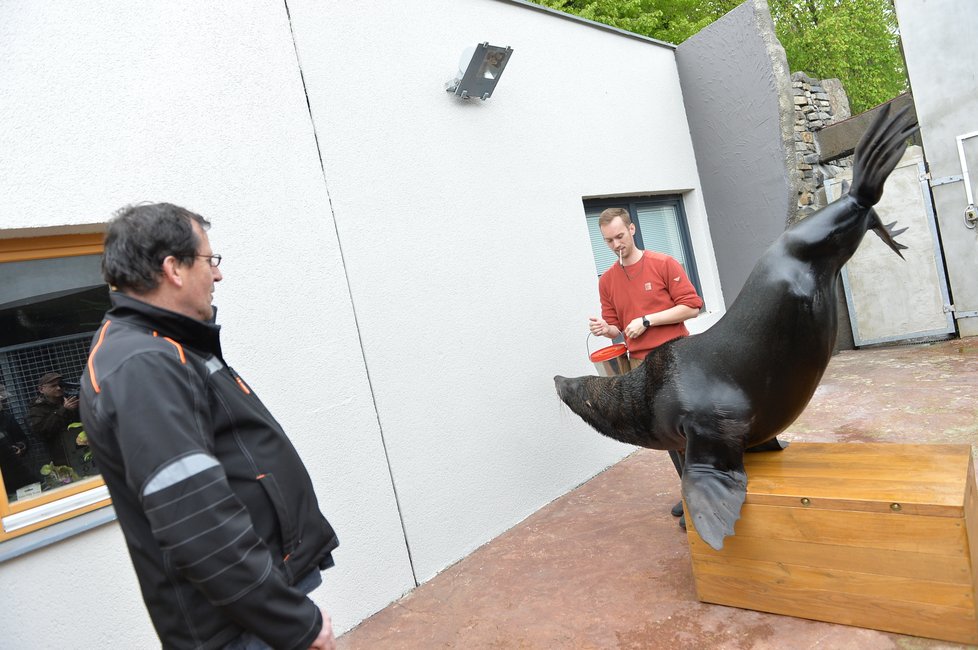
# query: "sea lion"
743,381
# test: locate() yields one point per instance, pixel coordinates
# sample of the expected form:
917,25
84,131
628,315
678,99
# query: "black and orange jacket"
217,509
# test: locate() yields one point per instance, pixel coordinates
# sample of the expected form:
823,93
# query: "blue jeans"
250,641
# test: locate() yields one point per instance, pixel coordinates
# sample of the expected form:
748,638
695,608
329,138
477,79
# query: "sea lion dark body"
743,381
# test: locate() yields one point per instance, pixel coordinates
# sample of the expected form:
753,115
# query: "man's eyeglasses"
213,260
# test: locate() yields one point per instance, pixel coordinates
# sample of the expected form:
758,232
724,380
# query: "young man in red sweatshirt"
645,296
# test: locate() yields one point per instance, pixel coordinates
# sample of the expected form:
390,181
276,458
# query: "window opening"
660,225
52,300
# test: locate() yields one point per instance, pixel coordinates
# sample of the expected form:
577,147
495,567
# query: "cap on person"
48,378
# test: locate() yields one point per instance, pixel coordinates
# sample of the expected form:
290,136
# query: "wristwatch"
646,323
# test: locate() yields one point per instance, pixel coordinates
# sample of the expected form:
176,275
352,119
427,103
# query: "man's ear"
172,271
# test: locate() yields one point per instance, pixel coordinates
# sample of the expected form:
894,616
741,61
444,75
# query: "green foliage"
57,475
672,21
683,18
639,16
855,41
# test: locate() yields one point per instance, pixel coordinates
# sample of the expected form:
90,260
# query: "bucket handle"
587,343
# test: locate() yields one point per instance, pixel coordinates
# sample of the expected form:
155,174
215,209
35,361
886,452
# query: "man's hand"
599,326
635,328
325,640
71,403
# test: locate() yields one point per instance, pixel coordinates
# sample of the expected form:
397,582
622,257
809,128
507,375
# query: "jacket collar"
204,336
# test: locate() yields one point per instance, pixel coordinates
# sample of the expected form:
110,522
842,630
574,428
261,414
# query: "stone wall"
817,104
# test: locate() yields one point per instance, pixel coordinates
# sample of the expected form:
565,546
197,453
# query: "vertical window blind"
659,226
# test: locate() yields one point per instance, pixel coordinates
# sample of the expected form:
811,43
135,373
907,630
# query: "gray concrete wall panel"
737,90
938,43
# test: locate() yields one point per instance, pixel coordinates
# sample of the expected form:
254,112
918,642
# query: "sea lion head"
618,407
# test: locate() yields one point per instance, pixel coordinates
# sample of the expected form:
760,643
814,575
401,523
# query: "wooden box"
883,536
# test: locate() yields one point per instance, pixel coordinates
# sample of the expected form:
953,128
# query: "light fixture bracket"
479,70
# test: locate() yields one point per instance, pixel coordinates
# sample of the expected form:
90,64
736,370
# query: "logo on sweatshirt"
648,286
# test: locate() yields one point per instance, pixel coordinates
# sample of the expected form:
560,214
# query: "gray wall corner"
739,105
781,80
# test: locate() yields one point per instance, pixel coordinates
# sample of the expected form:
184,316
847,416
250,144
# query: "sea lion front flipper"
713,499
714,487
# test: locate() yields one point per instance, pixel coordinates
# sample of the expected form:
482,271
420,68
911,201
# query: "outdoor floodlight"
479,70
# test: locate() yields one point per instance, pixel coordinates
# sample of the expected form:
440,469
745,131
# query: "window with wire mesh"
49,311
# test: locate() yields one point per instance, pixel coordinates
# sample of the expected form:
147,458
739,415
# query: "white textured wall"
460,224
101,105
464,234
80,593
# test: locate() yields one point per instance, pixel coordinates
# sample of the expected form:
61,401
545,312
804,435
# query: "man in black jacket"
219,513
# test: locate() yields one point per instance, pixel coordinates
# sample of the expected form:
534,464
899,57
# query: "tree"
672,21
639,16
855,41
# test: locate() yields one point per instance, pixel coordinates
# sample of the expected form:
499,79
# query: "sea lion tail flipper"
713,499
887,232
878,152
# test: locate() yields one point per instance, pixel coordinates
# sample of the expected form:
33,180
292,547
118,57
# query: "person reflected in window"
50,415
13,449
645,297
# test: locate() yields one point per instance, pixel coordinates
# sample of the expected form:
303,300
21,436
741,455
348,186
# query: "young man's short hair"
610,214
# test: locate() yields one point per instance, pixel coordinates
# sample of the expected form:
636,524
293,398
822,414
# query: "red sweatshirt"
654,283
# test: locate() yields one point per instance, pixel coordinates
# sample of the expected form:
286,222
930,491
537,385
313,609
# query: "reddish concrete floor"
606,566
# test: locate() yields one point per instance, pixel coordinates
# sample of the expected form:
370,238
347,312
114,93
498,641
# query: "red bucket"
612,360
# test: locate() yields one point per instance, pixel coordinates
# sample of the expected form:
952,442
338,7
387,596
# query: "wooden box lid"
869,477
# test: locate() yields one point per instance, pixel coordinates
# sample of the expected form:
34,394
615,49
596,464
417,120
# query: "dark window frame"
632,203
